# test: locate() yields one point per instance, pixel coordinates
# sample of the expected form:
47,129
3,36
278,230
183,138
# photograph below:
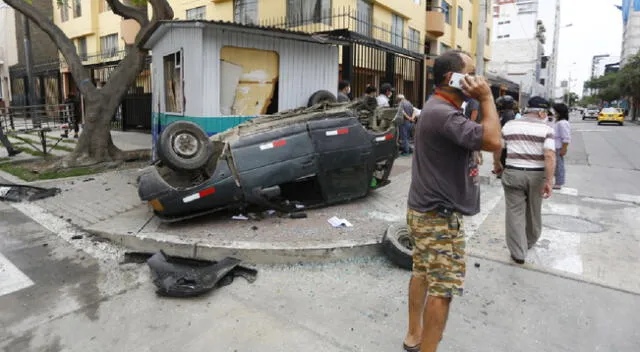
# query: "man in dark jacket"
75,107
505,105
3,139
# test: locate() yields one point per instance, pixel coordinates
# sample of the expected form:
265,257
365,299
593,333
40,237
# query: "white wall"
304,68
8,49
631,36
517,60
509,22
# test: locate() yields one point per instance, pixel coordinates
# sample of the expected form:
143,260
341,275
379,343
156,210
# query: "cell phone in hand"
456,80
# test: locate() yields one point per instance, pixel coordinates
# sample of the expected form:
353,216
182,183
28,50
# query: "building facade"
8,49
12,55
631,29
518,50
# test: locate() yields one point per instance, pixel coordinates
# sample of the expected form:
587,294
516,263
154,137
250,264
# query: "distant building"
518,46
45,57
631,29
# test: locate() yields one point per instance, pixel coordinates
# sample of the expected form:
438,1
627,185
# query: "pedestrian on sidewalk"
76,111
3,138
405,128
562,134
444,187
344,89
505,105
386,90
527,177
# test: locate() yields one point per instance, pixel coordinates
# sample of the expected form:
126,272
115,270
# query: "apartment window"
460,17
397,28
64,12
542,81
77,8
173,85
103,6
414,40
470,29
503,36
197,13
417,2
364,17
446,9
301,12
109,45
488,36
504,22
245,11
81,48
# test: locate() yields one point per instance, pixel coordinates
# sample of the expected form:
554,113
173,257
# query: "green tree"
95,144
609,86
572,98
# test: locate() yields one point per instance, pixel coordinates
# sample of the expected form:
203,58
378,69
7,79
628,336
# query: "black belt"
524,168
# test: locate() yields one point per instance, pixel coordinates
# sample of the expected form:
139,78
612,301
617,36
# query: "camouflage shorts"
438,252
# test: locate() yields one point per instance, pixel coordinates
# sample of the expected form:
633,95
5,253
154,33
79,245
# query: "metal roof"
163,26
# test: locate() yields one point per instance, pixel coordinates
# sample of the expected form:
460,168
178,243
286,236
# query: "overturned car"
319,155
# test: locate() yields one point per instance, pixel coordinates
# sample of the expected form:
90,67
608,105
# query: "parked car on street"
591,113
321,155
613,115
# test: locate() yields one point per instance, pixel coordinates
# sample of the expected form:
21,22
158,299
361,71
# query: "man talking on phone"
444,187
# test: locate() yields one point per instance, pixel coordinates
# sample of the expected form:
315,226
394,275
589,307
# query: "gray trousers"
522,191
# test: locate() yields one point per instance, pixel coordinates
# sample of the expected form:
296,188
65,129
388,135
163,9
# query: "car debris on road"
179,277
17,193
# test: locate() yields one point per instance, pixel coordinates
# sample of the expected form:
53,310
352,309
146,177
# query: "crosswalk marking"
568,191
628,198
11,278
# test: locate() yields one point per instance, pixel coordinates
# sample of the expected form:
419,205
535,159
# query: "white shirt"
383,100
527,139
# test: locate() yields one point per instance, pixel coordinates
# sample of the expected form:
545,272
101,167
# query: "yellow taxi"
611,115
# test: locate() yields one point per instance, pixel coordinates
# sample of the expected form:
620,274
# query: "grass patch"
28,174
44,169
34,144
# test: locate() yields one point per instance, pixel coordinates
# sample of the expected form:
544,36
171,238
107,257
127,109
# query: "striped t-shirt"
526,140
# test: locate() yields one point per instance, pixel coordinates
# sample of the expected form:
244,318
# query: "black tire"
321,96
583,118
197,148
599,123
621,123
397,245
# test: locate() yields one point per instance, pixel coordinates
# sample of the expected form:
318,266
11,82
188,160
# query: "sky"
596,29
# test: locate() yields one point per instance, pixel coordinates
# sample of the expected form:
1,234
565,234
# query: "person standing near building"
405,128
344,88
562,134
444,187
75,107
385,93
528,173
3,138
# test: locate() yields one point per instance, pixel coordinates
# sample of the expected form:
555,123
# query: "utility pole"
551,90
481,37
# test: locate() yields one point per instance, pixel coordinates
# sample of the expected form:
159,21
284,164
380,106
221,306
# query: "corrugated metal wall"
304,67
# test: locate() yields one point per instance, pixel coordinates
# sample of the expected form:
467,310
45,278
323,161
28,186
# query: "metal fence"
35,117
353,20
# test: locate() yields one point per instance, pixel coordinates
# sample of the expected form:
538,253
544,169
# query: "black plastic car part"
177,277
18,193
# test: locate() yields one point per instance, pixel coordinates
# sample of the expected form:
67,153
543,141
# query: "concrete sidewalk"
108,205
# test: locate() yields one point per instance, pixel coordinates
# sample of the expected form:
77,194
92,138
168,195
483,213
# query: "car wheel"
184,146
321,96
397,245
621,123
599,123
583,118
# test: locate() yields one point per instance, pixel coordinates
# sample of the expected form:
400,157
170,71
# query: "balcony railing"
96,58
352,20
